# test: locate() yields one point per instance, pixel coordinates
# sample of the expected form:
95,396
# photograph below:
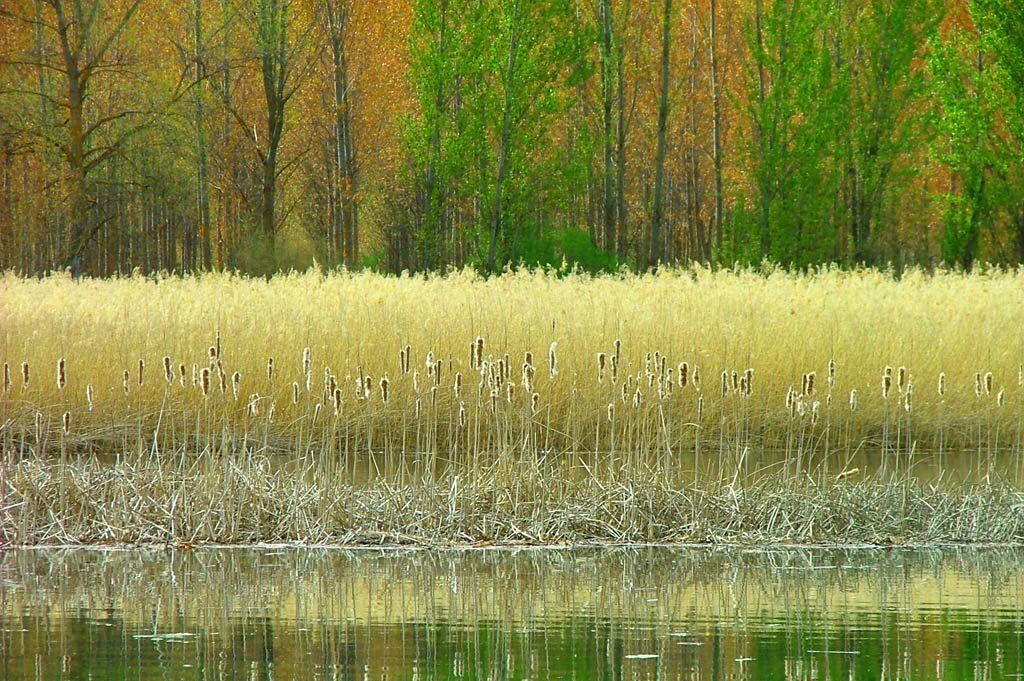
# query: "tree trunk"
655,252
607,94
506,134
716,130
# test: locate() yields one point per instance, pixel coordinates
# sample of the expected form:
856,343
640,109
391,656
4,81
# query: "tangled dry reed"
405,385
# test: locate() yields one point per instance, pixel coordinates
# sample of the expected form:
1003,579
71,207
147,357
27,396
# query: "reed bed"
405,385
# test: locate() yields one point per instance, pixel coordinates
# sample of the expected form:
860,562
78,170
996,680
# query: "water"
503,614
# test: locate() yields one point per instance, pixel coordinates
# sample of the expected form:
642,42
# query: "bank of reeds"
185,501
287,398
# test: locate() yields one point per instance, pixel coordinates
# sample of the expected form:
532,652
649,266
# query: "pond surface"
519,615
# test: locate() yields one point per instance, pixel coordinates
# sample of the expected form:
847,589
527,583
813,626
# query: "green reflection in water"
529,614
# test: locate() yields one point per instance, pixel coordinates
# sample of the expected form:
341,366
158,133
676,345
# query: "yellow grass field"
304,361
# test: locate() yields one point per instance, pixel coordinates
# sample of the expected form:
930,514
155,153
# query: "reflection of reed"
509,614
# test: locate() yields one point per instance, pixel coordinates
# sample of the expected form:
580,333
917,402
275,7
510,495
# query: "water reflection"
528,614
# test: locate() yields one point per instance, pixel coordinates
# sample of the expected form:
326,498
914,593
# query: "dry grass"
358,391
185,501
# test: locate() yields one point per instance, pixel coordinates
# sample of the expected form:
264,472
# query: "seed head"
384,386
307,361
618,349
602,360
7,378
977,384
886,382
725,383
217,344
270,369
337,401
181,374
611,412
24,374
462,414
212,352
236,382
901,379
66,423
295,392
204,381
638,398
942,383
988,383
853,400
168,370
254,405
999,398
89,396
61,377
534,403
683,375
832,373
695,378
126,379
553,359
700,408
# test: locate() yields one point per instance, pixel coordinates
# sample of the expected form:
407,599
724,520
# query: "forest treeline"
187,135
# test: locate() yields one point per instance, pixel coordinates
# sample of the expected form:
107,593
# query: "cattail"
212,352
809,384
553,359
725,383
615,369
695,378
316,411
901,379
462,414
307,361
1020,374
168,370
886,382
942,383
735,380
221,379
999,398
142,370
534,403
39,426
988,383
494,399
384,385
416,409
270,369
254,405
24,374
668,382
195,375
683,375
601,361
433,397
611,412
814,412
618,349
977,384
479,356
458,384
217,344
801,408
7,378
126,378
744,392
832,373
700,408
61,377
236,381
66,422
337,400
181,374
510,392
416,382
749,375
205,381
790,397
403,359
853,400
529,374
638,398
295,392
429,362
89,396
647,364
907,406
624,392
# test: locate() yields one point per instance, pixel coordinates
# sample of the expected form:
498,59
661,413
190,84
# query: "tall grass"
524,407
691,365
